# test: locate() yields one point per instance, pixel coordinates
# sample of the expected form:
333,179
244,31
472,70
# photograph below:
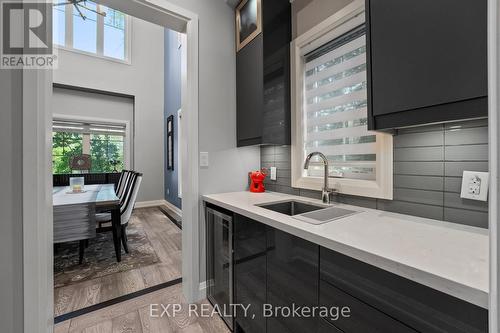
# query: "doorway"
37,185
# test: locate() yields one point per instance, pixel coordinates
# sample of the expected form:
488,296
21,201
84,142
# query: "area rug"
100,257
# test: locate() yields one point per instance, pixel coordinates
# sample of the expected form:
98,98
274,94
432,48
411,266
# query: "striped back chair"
120,187
127,203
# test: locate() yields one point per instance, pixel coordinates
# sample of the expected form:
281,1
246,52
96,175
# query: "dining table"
74,213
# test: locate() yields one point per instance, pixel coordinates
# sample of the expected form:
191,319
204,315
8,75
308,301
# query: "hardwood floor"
133,316
165,238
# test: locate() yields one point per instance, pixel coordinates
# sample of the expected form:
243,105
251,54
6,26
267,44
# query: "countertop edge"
466,293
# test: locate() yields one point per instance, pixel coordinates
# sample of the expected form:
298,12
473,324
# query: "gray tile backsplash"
428,165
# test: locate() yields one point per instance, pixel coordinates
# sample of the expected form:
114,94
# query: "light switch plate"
204,159
272,173
475,185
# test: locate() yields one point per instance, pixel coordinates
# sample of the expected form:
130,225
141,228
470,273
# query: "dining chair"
121,182
126,207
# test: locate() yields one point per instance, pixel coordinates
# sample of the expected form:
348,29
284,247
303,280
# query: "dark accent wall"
172,104
428,165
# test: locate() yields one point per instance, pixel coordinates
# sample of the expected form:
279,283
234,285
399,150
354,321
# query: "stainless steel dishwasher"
219,235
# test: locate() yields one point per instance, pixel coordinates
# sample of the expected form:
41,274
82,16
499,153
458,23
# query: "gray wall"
428,166
11,237
173,57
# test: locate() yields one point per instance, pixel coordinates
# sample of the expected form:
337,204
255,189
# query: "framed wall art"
248,22
170,142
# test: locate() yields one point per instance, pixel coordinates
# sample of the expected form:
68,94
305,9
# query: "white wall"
144,80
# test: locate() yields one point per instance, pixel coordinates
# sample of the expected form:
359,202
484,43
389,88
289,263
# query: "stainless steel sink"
308,212
291,207
325,215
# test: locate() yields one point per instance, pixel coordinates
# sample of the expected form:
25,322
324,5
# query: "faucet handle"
325,194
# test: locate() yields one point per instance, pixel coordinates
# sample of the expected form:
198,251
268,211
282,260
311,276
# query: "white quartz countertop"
445,256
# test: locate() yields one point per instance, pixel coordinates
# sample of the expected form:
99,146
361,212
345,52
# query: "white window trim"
344,20
127,143
68,40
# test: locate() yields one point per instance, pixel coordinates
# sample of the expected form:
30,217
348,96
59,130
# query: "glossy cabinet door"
292,278
382,300
249,97
427,61
277,29
263,80
249,274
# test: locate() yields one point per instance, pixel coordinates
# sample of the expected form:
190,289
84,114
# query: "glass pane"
58,24
114,34
335,120
85,30
65,145
107,153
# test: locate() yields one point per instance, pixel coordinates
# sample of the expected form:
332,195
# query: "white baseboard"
156,203
173,208
153,203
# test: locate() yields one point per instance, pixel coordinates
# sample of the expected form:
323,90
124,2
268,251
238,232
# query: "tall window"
105,35
331,114
105,143
335,114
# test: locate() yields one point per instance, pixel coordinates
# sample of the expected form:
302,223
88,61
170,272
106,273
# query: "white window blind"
88,128
335,108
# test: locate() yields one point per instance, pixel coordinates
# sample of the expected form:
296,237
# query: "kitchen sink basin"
308,212
292,207
325,215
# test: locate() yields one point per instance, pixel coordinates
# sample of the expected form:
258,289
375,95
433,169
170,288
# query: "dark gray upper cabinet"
427,61
263,80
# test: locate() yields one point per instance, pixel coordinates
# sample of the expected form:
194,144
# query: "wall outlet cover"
475,185
272,173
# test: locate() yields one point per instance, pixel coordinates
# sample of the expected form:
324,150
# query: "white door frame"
494,162
37,173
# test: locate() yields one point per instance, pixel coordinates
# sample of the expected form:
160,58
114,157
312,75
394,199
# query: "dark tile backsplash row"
428,165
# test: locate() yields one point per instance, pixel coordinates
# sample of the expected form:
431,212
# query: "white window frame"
127,142
341,22
68,37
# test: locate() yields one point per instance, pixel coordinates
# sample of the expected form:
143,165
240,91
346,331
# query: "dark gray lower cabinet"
362,318
370,289
281,270
249,273
292,278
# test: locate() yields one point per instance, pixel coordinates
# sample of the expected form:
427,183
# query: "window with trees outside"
105,143
330,111
105,35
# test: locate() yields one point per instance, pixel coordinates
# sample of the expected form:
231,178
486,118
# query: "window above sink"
329,110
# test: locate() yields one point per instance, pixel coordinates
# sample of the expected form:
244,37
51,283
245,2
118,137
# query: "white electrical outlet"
475,185
272,171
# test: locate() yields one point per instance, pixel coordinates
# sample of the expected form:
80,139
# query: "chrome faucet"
325,191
